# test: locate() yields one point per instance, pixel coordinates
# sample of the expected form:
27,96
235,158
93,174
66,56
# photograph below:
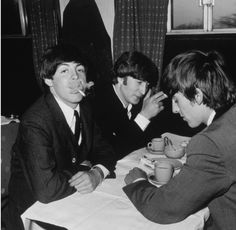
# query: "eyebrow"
67,64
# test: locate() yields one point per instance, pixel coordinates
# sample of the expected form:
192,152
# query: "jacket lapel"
60,120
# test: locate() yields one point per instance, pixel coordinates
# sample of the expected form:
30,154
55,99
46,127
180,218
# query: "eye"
80,69
63,71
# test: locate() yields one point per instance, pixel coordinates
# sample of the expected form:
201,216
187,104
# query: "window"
201,16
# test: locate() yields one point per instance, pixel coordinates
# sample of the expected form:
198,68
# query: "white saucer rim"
159,152
155,181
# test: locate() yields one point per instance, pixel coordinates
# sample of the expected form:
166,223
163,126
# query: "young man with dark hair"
59,149
201,93
124,109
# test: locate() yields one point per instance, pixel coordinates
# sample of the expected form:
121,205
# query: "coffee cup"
163,172
156,145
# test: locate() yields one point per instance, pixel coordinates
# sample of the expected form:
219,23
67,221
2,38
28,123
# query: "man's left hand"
134,174
86,181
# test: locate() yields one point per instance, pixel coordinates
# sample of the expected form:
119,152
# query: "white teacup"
156,145
174,151
163,172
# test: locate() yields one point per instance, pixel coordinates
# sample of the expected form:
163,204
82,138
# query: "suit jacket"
46,154
207,179
123,134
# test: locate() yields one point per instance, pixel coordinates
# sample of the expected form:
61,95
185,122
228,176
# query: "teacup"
174,151
156,145
163,172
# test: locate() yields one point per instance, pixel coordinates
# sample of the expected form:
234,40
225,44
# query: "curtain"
141,25
44,20
83,27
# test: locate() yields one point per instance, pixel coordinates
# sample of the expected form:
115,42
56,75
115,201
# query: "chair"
8,136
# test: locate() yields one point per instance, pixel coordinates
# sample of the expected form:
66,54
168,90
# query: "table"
106,208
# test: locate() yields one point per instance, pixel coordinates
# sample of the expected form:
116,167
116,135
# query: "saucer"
154,152
152,179
176,163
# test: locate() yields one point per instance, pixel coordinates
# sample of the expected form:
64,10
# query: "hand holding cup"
163,172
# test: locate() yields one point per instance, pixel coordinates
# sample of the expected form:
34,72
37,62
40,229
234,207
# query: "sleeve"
142,121
102,152
201,179
40,164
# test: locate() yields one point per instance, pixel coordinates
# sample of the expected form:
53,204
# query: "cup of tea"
163,172
174,151
156,145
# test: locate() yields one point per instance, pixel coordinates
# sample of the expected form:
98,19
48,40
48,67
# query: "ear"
120,80
48,82
199,96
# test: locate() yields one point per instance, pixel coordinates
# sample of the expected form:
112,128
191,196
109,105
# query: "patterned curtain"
44,24
141,25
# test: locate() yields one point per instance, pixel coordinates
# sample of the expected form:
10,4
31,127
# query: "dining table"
108,207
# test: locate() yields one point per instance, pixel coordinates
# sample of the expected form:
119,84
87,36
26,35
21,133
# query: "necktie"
77,125
128,110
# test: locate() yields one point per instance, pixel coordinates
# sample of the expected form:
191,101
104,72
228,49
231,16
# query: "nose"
143,87
175,107
74,75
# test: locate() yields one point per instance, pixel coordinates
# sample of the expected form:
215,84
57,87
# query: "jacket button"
73,160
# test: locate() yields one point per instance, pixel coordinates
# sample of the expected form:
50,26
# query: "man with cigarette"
125,108
59,149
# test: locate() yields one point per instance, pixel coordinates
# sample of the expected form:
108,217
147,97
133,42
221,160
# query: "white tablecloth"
106,208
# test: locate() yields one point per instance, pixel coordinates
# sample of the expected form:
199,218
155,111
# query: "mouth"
76,91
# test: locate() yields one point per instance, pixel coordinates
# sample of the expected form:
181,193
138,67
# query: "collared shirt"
140,120
211,117
70,119
69,115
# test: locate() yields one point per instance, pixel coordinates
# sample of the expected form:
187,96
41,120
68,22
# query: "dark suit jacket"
123,134
46,154
207,179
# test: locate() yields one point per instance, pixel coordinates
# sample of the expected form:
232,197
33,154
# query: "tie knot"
128,111
76,114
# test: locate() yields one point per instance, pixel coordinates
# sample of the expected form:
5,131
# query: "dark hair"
195,69
136,65
57,55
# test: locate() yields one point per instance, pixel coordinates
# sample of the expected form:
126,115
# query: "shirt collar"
129,106
211,117
67,110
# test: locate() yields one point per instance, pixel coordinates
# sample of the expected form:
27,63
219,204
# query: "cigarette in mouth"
81,92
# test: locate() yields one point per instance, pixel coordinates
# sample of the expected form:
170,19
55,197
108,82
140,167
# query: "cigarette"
81,92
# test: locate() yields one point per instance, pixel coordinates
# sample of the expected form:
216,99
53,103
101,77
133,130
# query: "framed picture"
14,19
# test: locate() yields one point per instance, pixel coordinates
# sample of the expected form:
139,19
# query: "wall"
20,89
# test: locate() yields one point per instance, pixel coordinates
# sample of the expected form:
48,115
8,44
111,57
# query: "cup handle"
149,145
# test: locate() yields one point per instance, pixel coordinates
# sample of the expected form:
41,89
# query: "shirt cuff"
103,169
142,121
139,179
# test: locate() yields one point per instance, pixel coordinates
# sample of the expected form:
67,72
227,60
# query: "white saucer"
176,163
154,152
152,179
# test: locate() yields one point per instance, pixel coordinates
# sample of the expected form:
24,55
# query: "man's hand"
152,105
86,181
134,174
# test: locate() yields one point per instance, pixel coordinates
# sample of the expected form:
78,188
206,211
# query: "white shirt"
70,119
141,121
211,117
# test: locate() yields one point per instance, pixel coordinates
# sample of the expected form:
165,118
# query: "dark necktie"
77,125
128,111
